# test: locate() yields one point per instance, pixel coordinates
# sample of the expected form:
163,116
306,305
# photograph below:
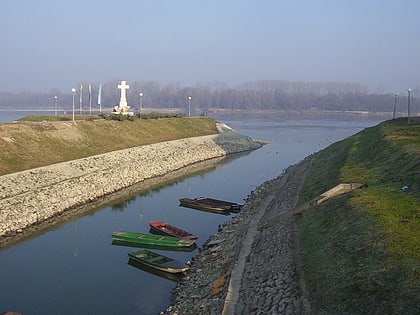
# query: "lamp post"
189,106
141,103
408,107
73,91
395,104
55,105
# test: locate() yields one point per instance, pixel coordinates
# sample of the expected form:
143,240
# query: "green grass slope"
361,251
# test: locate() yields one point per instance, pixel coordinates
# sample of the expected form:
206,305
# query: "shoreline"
255,266
34,196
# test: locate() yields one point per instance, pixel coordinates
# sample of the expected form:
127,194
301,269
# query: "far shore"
29,198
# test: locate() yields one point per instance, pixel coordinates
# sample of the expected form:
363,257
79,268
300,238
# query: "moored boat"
151,239
157,261
170,230
176,277
210,204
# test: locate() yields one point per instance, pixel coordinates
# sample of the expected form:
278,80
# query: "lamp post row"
408,105
73,90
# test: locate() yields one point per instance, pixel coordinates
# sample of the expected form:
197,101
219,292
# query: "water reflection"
77,249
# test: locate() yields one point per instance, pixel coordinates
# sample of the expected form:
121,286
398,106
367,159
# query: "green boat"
157,247
158,262
151,239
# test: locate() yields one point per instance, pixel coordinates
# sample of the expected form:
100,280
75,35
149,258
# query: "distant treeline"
253,95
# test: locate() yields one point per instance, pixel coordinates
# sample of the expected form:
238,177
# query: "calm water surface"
74,268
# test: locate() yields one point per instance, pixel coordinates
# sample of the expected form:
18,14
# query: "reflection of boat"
176,277
156,261
151,239
209,204
167,229
159,247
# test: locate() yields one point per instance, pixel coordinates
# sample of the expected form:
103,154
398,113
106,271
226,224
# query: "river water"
72,268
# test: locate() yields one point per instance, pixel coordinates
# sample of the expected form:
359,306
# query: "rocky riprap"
271,281
30,197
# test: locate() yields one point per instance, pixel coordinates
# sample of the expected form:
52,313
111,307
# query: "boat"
176,277
157,261
153,247
209,204
170,230
151,239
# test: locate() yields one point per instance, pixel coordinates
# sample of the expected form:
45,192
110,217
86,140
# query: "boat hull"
150,239
164,228
158,262
210,205
157,247
176,277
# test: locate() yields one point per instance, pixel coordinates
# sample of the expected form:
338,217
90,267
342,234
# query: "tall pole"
100,98
90,99
141,103
73,90
81,98
395,104
189,106
55,105
408,107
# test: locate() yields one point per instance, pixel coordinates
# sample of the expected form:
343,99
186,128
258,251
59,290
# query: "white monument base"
122,110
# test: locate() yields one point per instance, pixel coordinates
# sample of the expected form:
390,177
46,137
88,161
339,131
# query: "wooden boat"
152,247
151,239
170,230
157,261
176,277
209,204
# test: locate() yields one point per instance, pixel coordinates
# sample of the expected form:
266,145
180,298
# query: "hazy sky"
49,44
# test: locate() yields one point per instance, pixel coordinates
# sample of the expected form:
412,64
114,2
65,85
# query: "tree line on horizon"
251,95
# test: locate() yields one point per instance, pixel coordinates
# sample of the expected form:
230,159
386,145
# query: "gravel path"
253,266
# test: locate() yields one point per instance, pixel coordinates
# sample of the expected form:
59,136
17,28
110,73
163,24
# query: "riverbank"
354,254
253,266
30,197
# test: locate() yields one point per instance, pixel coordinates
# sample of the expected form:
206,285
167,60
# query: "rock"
54,189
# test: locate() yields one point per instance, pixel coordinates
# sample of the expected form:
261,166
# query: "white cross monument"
123,108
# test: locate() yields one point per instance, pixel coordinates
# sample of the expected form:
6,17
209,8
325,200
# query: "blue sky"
50,44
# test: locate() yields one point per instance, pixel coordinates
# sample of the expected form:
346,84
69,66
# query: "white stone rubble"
32,196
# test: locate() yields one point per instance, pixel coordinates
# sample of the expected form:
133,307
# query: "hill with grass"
36,141
361,251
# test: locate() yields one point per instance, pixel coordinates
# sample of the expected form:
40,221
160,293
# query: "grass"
361,251
218,285
43,140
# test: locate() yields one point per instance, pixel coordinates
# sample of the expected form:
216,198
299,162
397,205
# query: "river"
73,268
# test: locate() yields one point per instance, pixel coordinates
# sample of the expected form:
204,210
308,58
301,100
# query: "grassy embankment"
43,140
361,251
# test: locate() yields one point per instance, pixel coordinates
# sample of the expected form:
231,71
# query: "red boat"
167,229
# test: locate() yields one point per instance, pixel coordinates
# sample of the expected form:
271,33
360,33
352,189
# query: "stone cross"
123,100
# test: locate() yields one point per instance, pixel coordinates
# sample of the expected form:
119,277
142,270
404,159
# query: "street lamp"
55,105
189,106
408,107
73,90
141,102
395,104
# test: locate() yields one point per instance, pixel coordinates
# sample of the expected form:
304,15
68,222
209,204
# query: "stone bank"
33,196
